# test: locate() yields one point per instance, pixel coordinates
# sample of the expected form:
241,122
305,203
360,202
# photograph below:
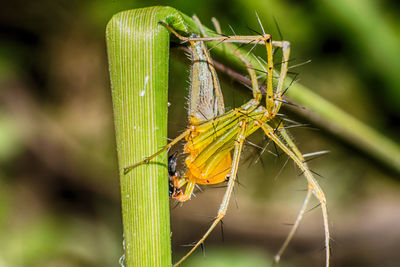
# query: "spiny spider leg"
291,150
170,144
231,183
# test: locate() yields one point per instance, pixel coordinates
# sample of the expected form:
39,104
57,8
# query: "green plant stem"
138,53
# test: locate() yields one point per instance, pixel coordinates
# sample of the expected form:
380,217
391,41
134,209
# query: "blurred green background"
59,190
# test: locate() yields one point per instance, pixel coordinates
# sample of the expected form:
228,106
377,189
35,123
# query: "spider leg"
228,193
253,76
182,197
281,129
291,150
270,72
216,24
170,144
200,25
226,39
296,224
285,45
262,39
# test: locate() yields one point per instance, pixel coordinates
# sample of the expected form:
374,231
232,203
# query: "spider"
212,137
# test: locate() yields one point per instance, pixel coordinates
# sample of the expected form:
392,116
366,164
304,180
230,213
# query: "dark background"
59,190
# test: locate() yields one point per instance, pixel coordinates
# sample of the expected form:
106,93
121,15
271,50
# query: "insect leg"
225,201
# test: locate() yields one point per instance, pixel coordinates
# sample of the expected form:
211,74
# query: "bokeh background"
59,190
